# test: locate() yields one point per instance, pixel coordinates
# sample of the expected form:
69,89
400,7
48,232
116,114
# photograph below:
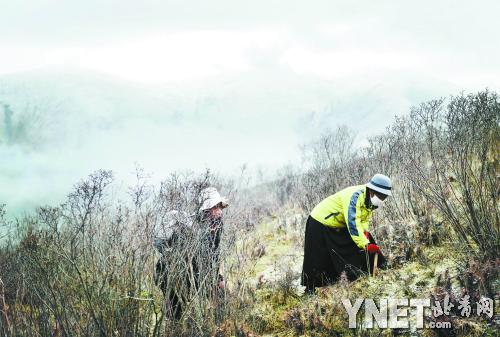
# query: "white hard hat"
381,184
210,197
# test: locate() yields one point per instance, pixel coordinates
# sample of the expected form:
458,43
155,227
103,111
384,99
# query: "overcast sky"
256,78
157,41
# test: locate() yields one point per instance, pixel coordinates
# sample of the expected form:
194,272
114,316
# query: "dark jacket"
203,253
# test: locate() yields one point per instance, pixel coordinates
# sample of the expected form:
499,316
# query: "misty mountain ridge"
55,105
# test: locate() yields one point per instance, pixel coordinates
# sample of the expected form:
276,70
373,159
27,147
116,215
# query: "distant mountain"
50,106
53,105
58,125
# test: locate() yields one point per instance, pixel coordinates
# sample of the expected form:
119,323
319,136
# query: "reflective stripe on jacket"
346,208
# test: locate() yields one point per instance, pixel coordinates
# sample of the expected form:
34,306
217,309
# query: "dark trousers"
330,251
173,302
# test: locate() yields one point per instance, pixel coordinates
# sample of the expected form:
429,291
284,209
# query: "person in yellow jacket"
337,237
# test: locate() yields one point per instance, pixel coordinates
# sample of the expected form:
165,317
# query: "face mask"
376,201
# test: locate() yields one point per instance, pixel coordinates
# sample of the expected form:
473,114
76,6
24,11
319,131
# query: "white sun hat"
172,220
210,197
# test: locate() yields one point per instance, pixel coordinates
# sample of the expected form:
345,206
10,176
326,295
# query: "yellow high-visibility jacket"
347,208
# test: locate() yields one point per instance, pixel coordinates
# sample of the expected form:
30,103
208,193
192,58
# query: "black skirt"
330,251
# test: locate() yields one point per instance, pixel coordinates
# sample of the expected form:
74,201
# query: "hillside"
89,265
280,307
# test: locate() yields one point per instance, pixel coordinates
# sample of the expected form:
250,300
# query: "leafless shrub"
87,267
459,172
443,160
330,166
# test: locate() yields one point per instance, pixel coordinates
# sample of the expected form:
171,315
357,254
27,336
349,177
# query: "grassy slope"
279,309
